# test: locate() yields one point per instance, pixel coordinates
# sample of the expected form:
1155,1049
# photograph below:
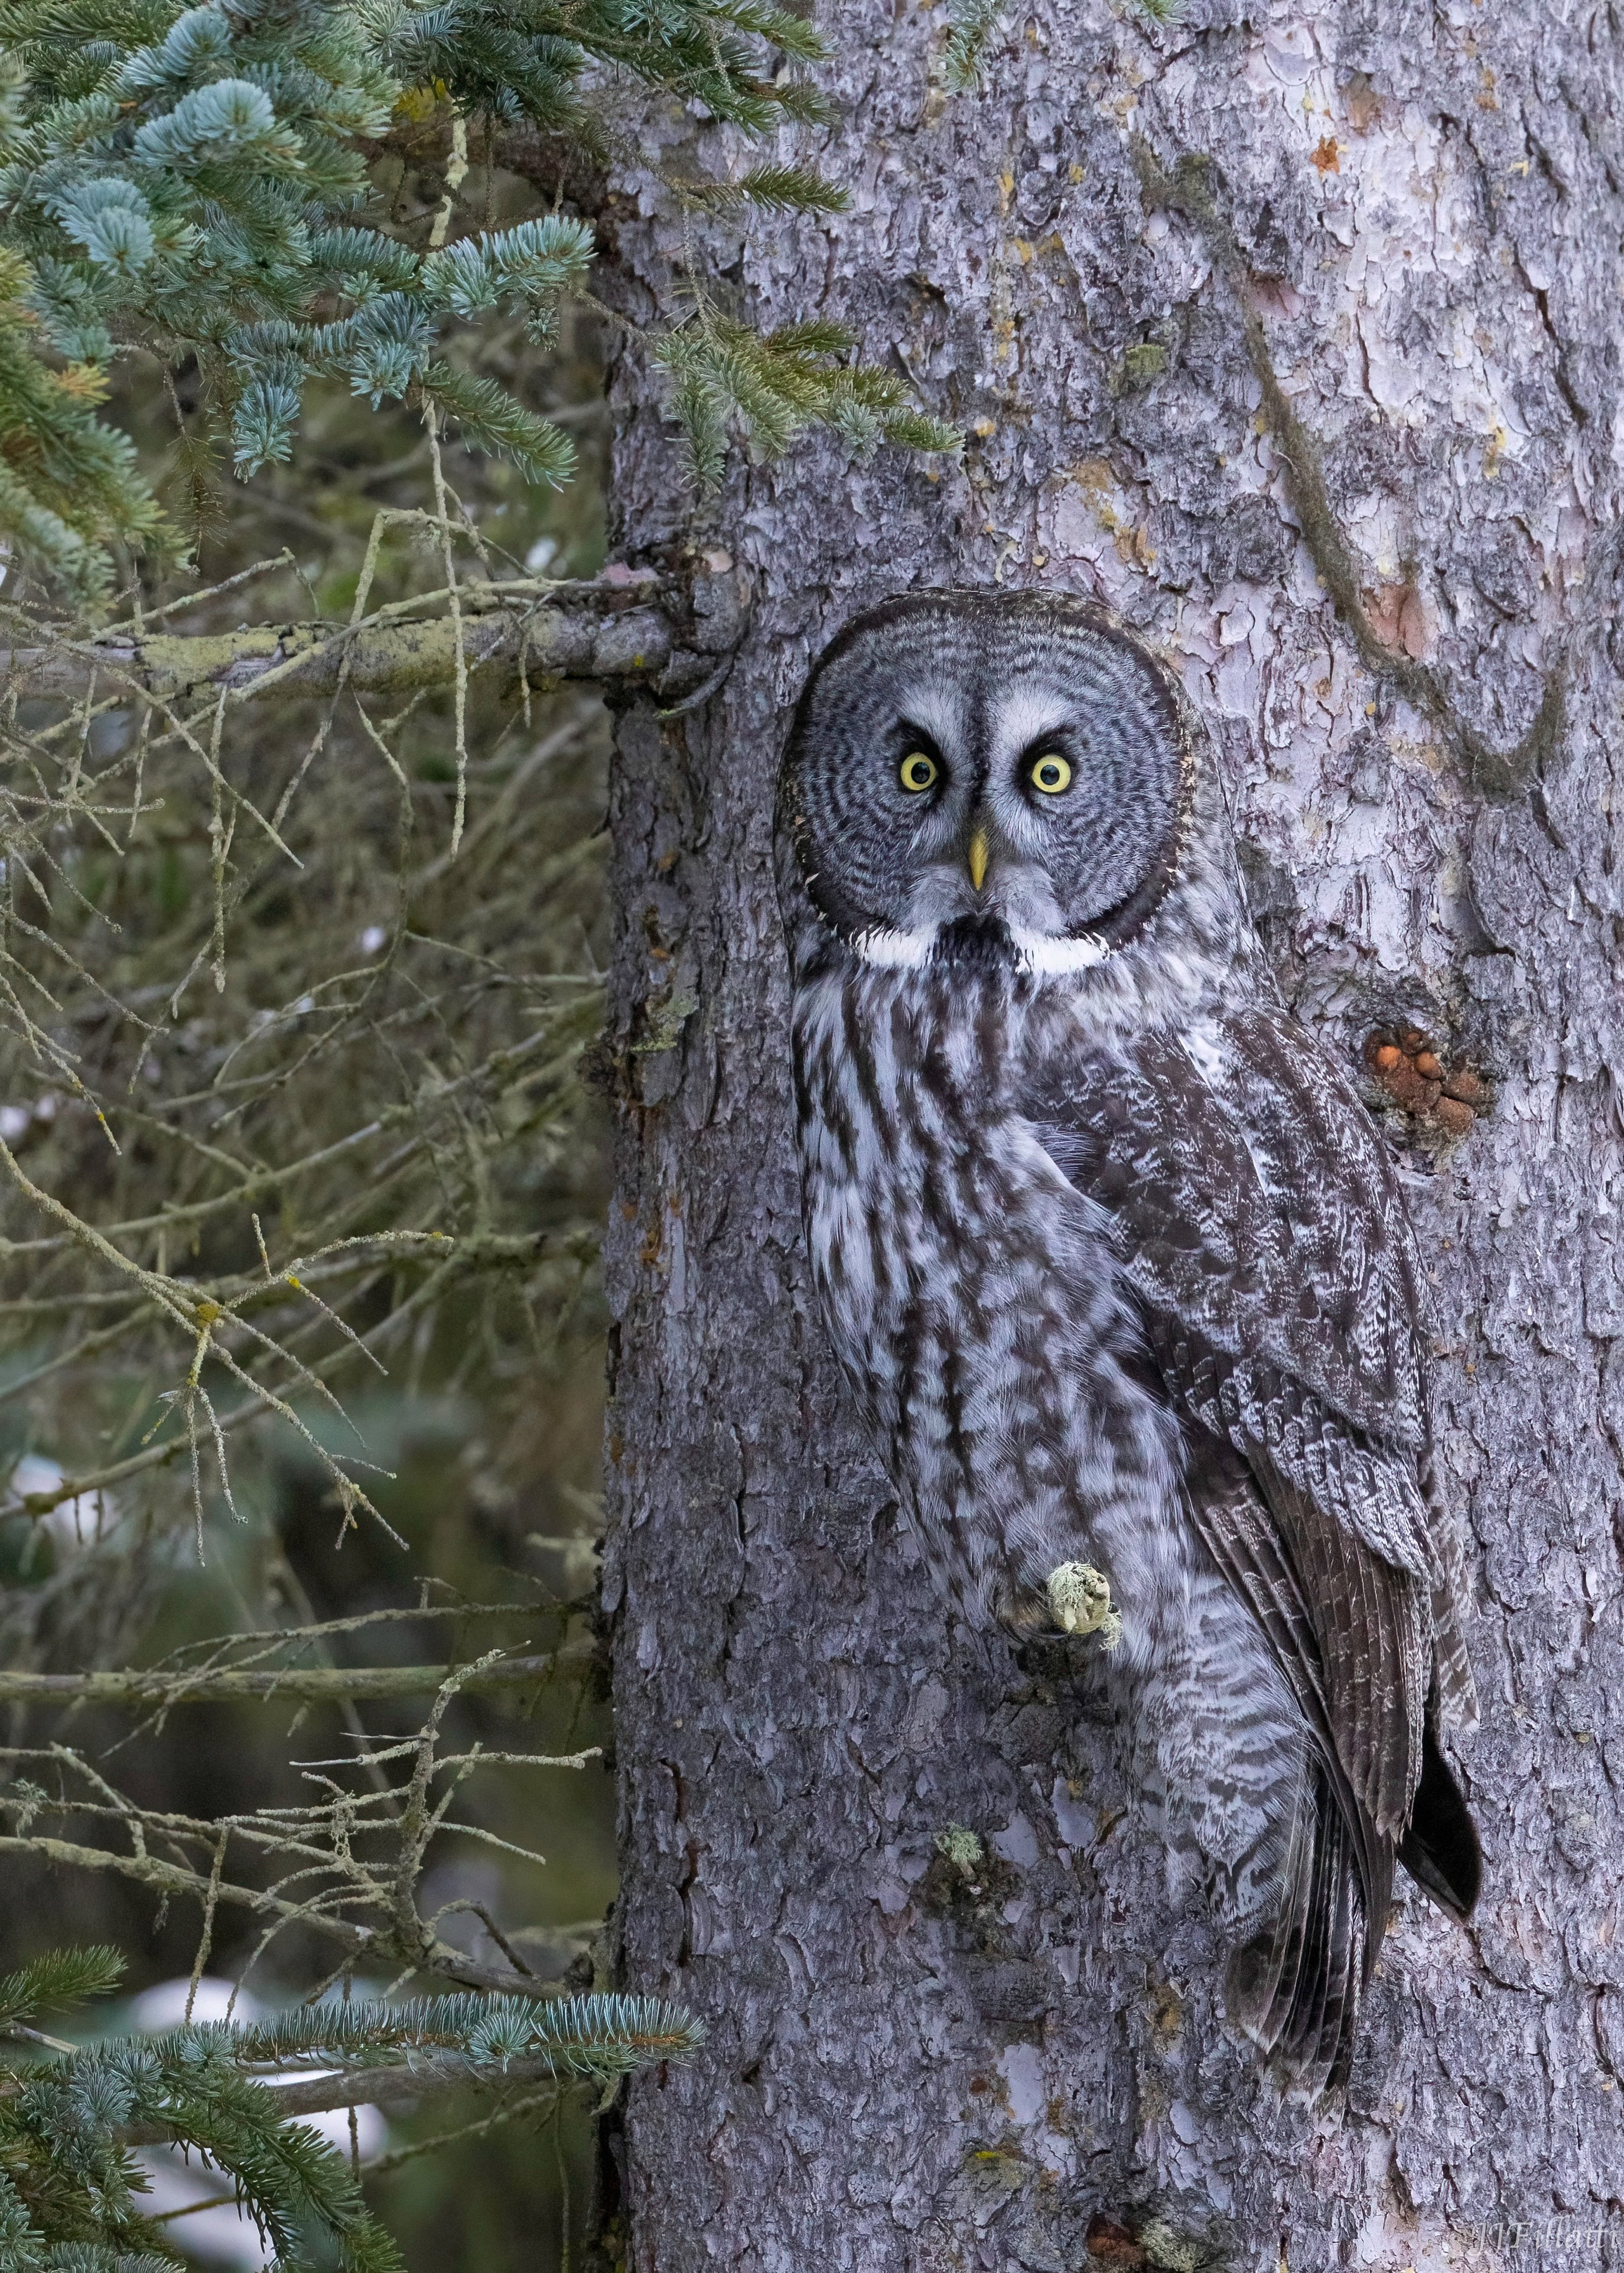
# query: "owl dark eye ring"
918,771
1051,773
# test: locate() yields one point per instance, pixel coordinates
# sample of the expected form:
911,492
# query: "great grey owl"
1119,1268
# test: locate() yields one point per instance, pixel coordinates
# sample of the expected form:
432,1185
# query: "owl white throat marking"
1045,957
1120,1272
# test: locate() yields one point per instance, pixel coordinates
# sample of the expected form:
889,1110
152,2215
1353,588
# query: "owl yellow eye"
917,771
1051,774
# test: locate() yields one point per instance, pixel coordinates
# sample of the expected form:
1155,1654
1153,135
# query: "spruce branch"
68,2189
774,386
775,188
970,25
204,191
61,1977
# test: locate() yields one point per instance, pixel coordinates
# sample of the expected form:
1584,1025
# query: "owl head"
987,774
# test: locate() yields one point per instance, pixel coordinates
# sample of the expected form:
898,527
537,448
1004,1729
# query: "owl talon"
1079,1596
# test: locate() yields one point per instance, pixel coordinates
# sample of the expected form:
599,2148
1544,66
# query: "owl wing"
1295,1985
1261,1229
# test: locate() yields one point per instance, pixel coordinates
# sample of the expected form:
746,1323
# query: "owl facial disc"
977,774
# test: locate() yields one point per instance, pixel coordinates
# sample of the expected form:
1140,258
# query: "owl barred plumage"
1118,1267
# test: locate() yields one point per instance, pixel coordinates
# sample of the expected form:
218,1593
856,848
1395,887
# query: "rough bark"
1331,419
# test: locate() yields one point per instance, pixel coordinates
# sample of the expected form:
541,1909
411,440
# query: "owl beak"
976,859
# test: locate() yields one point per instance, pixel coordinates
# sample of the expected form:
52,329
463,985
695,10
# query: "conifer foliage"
195,182
70,2187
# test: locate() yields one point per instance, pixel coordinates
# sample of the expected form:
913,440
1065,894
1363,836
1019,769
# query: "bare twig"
298,1683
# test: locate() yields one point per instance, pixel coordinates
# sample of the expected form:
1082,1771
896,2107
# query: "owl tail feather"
1294,1987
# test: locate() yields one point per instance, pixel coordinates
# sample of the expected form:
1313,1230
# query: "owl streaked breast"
1117,1267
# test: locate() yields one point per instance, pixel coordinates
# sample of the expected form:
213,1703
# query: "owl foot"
1080,1599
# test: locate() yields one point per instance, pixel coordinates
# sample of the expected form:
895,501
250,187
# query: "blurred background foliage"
377,977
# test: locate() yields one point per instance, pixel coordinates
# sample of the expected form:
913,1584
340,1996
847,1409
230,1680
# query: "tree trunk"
1296,337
